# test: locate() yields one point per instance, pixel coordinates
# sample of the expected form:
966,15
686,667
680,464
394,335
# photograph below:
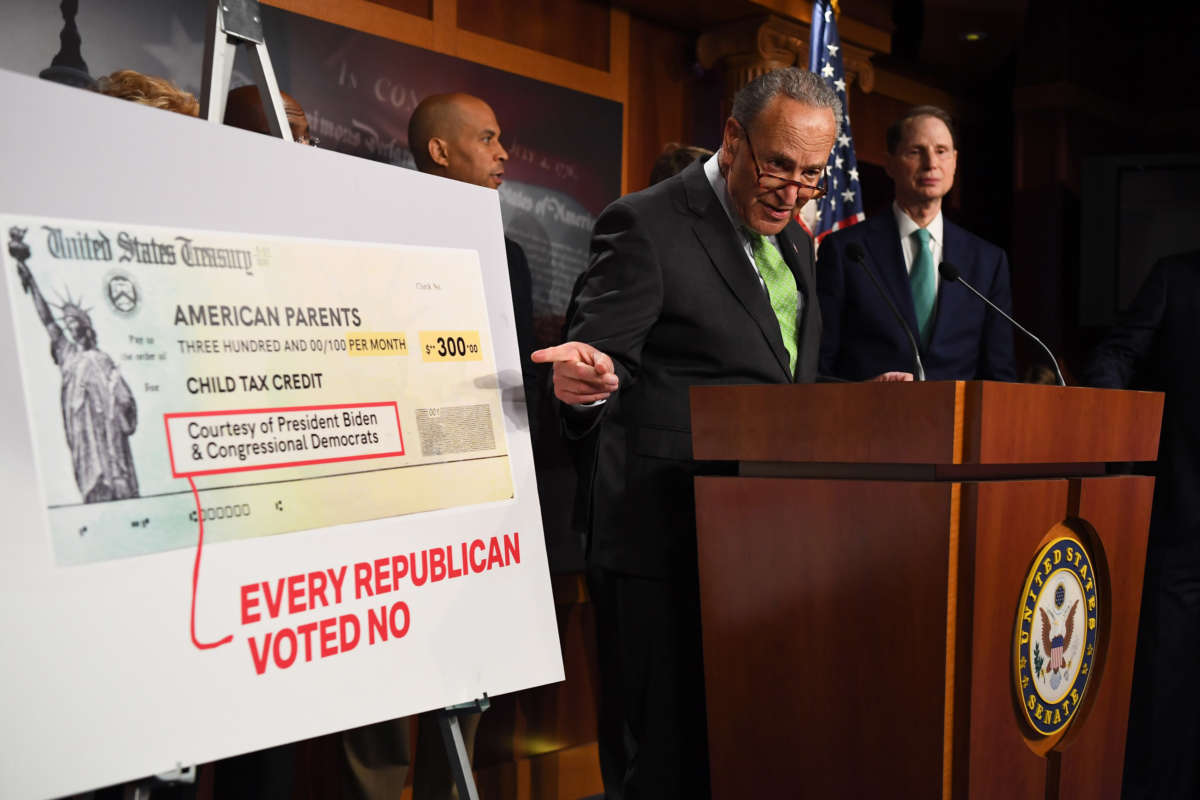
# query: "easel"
239,22
232,23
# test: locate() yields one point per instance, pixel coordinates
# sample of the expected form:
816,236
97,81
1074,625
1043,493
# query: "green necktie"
924,284
781,288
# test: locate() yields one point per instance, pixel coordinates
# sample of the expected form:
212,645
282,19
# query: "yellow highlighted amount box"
450,346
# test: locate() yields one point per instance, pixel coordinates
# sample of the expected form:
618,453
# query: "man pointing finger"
582,374
701,279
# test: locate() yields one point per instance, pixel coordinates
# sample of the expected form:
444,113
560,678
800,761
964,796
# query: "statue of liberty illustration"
98,410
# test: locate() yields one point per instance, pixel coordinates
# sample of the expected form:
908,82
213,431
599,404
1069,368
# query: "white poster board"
312,355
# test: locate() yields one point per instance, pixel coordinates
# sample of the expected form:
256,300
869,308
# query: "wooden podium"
861,579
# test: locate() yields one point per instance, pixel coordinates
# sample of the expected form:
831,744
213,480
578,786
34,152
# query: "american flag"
842,205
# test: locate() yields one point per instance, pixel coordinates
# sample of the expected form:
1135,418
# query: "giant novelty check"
257,385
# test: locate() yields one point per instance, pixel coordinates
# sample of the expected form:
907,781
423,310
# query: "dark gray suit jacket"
671,296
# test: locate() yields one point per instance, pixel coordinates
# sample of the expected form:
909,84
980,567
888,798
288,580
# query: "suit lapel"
789,246
883,249
954,251
801,265
724,248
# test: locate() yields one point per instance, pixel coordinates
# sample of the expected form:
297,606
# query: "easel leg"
456,754
231,23
218,65
268,89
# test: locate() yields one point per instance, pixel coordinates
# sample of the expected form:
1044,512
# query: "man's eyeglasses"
773,183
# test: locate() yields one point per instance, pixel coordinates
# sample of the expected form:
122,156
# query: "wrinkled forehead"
795,131
925,129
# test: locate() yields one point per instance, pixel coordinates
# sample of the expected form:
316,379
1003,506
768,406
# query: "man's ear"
439,151
731,140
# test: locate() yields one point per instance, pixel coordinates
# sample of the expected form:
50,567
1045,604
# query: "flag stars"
841,203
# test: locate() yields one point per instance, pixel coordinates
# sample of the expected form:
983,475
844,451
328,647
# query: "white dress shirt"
908,245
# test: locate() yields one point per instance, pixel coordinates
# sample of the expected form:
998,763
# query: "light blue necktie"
923,279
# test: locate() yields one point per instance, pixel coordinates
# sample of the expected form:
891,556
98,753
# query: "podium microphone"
855,253
950,273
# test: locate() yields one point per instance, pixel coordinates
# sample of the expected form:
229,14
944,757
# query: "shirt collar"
906,225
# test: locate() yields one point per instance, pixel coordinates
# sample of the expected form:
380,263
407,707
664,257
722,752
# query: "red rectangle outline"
171,450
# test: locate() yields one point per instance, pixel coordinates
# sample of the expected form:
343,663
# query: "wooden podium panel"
1093,754
941,422
1005,522
860,586
995,757
824,625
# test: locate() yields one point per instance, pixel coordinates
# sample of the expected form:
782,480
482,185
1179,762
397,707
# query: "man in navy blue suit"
960,337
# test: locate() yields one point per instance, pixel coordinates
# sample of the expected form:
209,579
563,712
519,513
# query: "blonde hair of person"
149,91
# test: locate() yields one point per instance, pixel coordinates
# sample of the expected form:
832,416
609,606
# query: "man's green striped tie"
781,288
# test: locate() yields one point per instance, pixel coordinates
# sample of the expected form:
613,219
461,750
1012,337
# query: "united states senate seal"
1055,641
